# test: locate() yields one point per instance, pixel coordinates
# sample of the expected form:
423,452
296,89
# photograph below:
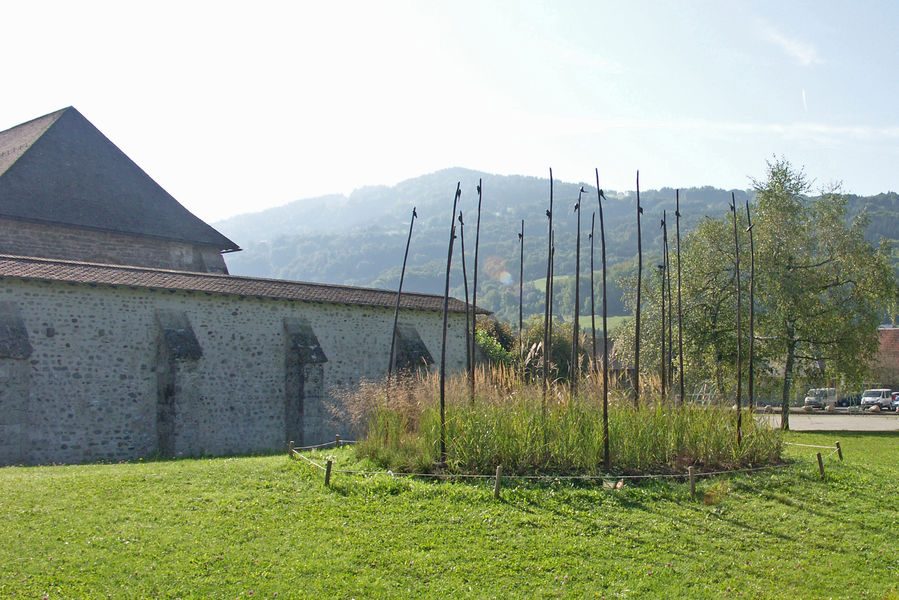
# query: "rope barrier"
808,445
607,477
308,460
330,444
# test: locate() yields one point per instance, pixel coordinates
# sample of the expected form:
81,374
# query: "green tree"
821,289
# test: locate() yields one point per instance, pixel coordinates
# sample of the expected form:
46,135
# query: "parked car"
850,400
881,397
895,403
820,398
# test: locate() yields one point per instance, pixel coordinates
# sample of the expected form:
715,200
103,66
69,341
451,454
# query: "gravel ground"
821,421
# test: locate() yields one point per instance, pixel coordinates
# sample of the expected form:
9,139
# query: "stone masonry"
51,240
122,372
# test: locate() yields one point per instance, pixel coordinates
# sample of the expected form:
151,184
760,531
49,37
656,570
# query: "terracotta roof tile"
21,267
888,353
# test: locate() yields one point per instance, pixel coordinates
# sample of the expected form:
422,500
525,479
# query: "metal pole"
592,296
662,367
548,299
733,210
396,308
521,296
574,368
670,308
680,312
469,347
639,299
474,291
606,458
449,262
552,290
751,309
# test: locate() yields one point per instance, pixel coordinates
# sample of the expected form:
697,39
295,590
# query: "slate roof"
61,169
40,269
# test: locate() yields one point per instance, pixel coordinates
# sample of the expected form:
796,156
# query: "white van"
880,396
821,398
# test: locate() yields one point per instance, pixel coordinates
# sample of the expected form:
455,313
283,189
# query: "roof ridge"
16,141
49,114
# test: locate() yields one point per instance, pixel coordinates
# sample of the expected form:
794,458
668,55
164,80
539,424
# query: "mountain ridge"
359,239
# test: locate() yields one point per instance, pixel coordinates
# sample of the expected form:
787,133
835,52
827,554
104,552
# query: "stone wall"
23,238
108,366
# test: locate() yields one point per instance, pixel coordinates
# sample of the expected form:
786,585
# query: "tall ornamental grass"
505,425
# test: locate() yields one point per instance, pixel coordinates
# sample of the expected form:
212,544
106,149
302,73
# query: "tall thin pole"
733,210
574,370
592,295
552,288
469,347
639,299
662,367
396,307
605,335
548,299
521,294
474,291
751,309
668,357
680,312
449,262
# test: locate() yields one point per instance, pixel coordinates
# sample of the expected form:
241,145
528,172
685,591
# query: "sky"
234,107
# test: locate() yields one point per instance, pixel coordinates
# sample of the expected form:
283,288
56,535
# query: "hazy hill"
359,239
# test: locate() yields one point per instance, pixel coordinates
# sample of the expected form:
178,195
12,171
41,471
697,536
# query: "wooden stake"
733,209
474,287
548,292
520,298
592,297
328,473
469,347
449,261
751,309
639,286
606,458
669,356
337,440
692,482
290,448
839,450
820,465
663,370
496,484
680,313
573,368
396,308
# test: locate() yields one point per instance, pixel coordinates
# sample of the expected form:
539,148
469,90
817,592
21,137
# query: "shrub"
509,424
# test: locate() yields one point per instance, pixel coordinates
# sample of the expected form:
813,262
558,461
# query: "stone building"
68,192
122,335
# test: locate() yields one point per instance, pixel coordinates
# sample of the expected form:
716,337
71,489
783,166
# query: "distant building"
122,335
886,362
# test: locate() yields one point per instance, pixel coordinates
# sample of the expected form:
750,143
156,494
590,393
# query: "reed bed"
506,424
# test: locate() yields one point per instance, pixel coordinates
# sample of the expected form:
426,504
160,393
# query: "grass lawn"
266,527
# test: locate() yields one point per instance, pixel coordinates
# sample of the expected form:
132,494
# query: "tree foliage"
821,288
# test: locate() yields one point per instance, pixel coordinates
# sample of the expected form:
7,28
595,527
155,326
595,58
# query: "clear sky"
235,107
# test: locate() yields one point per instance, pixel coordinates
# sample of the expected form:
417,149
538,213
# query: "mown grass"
508,423
266,527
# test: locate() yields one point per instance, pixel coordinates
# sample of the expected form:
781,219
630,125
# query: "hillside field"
266,527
